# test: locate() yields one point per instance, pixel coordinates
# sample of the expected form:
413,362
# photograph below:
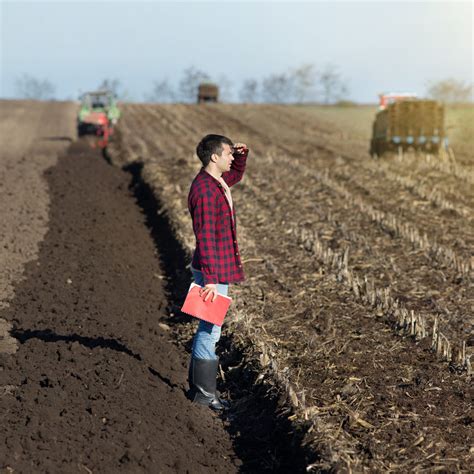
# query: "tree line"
299,85
304,84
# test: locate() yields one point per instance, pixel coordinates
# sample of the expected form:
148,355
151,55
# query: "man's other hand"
209,291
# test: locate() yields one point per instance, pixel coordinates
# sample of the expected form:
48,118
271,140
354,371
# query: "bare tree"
162,92
333,86
249,91
450,90
115,86
304,83
278,88
188,85
225,88
29,87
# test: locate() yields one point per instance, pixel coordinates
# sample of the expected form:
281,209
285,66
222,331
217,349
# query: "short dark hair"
209,145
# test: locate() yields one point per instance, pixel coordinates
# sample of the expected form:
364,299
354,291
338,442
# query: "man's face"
226,158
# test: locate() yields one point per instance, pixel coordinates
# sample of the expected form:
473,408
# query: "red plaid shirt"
217,255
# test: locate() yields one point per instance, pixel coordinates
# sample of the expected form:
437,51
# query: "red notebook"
213,312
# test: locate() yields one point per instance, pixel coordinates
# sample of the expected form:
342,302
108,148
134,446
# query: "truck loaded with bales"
405,122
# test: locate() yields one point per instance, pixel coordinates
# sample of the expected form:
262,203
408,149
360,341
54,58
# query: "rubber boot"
202,382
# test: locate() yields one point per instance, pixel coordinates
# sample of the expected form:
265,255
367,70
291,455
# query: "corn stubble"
367,369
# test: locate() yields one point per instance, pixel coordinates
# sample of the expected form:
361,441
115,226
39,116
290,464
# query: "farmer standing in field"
216,261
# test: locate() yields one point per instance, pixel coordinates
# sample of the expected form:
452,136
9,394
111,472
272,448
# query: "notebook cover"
213,312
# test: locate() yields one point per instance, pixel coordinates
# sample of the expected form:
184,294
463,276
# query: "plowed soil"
96,385
32,135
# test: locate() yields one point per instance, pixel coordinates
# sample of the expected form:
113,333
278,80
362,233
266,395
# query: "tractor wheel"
80,130
372,149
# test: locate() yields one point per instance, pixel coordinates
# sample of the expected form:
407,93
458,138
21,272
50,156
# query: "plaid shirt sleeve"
237,169
204,214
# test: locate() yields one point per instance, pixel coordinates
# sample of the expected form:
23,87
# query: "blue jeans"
207,334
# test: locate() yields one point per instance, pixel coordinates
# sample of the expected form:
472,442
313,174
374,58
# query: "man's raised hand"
240,148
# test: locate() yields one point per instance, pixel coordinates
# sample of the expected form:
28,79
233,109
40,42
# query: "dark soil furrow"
97,382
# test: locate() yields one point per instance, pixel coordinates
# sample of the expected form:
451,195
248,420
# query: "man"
216,261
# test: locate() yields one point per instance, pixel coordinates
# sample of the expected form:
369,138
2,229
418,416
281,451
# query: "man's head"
215,149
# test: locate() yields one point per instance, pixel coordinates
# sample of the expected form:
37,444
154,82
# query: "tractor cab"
392,97
97,101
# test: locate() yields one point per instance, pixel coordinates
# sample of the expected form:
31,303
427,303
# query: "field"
357,121
89,378
348,347
359,295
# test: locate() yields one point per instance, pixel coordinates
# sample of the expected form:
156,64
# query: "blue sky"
376,45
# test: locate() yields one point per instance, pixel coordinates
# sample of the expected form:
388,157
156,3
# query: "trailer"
208,92
405,122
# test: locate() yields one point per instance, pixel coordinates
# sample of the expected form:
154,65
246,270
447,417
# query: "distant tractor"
405,122
98,114
208,92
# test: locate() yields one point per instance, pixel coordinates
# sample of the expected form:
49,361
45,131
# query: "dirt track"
32,134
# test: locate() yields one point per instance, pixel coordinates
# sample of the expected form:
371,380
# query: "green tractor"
98,114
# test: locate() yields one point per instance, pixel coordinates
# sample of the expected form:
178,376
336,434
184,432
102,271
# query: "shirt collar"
207,175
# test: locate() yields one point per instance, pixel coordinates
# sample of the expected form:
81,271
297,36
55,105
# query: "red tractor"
97,115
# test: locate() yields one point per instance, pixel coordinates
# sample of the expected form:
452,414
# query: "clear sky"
378,45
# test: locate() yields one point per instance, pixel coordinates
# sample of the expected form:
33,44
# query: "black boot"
202,382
